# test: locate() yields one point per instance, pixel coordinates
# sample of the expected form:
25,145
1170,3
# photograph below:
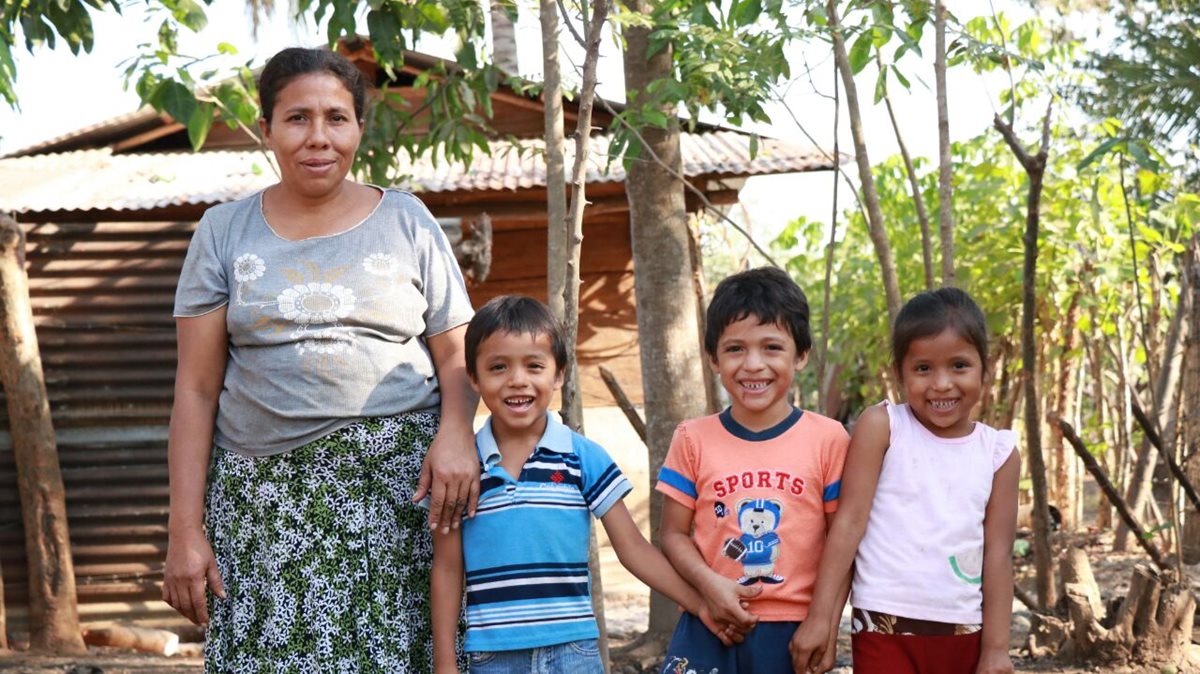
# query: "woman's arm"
450,473
864,460
999,529
446,587
723,596
199,377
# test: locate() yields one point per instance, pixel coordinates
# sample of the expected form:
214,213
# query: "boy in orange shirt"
750,491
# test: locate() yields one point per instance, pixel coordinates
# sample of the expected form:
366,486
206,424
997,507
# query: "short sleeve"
677,477
447,303
203,285
603,482
834,460
1002,448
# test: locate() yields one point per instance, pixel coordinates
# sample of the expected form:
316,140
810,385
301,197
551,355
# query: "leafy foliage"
1084,249
1150,79
45,22
727,56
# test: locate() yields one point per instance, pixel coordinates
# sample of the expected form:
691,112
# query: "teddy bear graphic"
758,546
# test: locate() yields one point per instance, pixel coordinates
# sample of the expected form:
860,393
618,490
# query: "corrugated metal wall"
102,295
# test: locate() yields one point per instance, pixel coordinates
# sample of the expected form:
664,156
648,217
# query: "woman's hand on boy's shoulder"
994,661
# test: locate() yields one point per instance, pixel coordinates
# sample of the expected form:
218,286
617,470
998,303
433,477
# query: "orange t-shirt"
759,501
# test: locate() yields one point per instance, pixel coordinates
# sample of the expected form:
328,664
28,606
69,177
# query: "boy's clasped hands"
728,608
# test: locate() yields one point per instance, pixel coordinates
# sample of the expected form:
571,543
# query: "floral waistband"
884,623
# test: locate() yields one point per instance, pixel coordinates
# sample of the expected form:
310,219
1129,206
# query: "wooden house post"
54,617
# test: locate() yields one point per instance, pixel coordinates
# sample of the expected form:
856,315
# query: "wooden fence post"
54,616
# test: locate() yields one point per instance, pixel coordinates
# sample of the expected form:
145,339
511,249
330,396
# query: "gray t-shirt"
323,331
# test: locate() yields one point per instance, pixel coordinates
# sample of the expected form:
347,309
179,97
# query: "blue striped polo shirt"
526,550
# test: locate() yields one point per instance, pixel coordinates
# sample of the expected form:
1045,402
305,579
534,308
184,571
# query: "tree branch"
562,8
708,205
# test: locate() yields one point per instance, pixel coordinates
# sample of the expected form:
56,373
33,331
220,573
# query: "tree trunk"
1191,395
556,178
1153,626
571,398
563,258
1064,461
945,164
1147,459
712,384
504,39
875,225
667,328
918,198
3,619
1035,167
54,618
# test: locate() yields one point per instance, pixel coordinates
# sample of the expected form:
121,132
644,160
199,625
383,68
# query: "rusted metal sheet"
102,296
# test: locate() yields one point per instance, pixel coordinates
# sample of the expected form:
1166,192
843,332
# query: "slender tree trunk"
1064,461
879,236
1140,483
712,384
1101,403
54,617
567,231
556,179
918,198
3,619
667,328
572,403
504,39
1035,167
824,382
945,164
1191,396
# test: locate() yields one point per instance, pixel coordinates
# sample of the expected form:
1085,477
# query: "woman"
321,389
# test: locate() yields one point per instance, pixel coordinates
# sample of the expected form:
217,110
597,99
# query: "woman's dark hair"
931,312
518,314
768,294
293,62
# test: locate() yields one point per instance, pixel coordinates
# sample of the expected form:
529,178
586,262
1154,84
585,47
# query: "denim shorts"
573,657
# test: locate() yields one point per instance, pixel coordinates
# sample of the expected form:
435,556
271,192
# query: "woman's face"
314,133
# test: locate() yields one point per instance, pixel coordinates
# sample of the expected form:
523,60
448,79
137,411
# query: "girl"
928,512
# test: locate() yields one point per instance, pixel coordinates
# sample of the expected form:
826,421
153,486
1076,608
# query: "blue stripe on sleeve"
677,481
833,491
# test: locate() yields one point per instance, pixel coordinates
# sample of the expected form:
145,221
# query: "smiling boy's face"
516,376
755,362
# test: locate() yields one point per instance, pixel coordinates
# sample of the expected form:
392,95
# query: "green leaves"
175,99
187,12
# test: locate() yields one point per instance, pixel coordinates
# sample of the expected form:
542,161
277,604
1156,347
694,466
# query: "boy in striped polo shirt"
525,552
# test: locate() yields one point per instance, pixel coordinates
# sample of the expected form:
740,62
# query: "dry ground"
627,600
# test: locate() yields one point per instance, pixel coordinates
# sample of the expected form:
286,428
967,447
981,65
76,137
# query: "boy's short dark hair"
519,314
768,294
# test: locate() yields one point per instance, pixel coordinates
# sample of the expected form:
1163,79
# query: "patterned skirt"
325,559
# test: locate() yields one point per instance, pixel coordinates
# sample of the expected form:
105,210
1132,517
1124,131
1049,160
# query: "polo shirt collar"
556,438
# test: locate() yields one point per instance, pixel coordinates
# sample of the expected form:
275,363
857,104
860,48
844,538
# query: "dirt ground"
627,602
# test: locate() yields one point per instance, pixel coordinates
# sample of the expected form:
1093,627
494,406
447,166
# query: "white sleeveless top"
922,553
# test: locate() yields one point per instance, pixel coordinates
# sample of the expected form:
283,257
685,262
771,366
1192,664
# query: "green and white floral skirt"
325,559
